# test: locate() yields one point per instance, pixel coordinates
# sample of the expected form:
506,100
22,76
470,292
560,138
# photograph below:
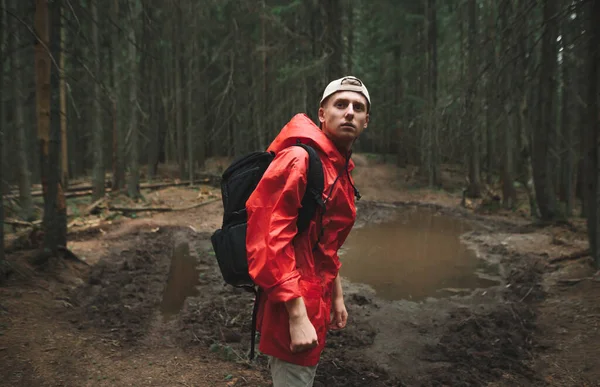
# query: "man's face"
344,117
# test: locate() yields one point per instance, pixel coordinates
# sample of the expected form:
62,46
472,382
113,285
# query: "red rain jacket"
284,264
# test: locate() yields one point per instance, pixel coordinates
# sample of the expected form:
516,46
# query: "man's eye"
359,108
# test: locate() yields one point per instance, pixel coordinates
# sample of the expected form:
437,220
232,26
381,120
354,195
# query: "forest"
507,89
105,99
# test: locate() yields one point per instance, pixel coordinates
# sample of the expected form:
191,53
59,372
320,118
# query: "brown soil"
101,323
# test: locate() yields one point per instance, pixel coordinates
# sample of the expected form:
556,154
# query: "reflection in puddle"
183,278
417,255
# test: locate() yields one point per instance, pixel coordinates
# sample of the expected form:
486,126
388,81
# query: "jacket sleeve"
272,213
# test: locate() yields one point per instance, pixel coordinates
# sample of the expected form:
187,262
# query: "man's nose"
350,110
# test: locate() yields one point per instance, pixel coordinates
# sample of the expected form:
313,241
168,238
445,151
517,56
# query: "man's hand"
339,314
302,333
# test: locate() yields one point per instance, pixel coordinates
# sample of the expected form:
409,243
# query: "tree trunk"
25,200
494,86
97,127
158,113
567,128
178,93
474,188
314,79
433,157
260,109
55,235
350,49
154,124
509,193
581,111
42,73
48,113
190,123
401,151
592,156
202,116
543,131
333,37
64,170
3,46
118,146
133,184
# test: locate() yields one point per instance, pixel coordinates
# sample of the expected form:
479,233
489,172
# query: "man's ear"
321,115
367,122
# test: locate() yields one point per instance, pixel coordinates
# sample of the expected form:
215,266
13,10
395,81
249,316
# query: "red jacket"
284,264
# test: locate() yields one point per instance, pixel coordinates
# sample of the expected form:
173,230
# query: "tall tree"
333,28
507,81
118,146
64,170
48,115
592,156
524,40
25,199
568,165
191,60
474,188
3,37
543,130
431,89
133,185
97,127
177,43
399,46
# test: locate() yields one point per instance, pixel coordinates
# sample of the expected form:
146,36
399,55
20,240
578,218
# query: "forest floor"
110,322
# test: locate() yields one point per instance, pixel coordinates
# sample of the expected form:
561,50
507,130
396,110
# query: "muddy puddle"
416,254
182,280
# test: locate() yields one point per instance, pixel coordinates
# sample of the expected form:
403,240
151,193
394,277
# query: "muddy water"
416,255
182,281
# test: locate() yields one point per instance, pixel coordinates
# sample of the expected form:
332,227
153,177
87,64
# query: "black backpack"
237,184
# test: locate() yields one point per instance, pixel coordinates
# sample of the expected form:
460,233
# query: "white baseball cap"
348,83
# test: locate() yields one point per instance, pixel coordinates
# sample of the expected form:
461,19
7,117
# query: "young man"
299,272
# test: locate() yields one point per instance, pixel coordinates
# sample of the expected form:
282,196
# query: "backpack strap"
313,197
257,293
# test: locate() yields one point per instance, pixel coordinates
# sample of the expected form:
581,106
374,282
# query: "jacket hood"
302,128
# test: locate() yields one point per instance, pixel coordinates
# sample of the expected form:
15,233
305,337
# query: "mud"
471,339
122,294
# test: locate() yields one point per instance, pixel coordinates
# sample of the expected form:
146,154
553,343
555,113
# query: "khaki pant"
286,374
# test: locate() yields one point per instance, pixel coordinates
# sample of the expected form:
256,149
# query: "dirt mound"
221,319
483,346
339,365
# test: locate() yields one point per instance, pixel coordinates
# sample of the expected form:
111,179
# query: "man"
299,272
